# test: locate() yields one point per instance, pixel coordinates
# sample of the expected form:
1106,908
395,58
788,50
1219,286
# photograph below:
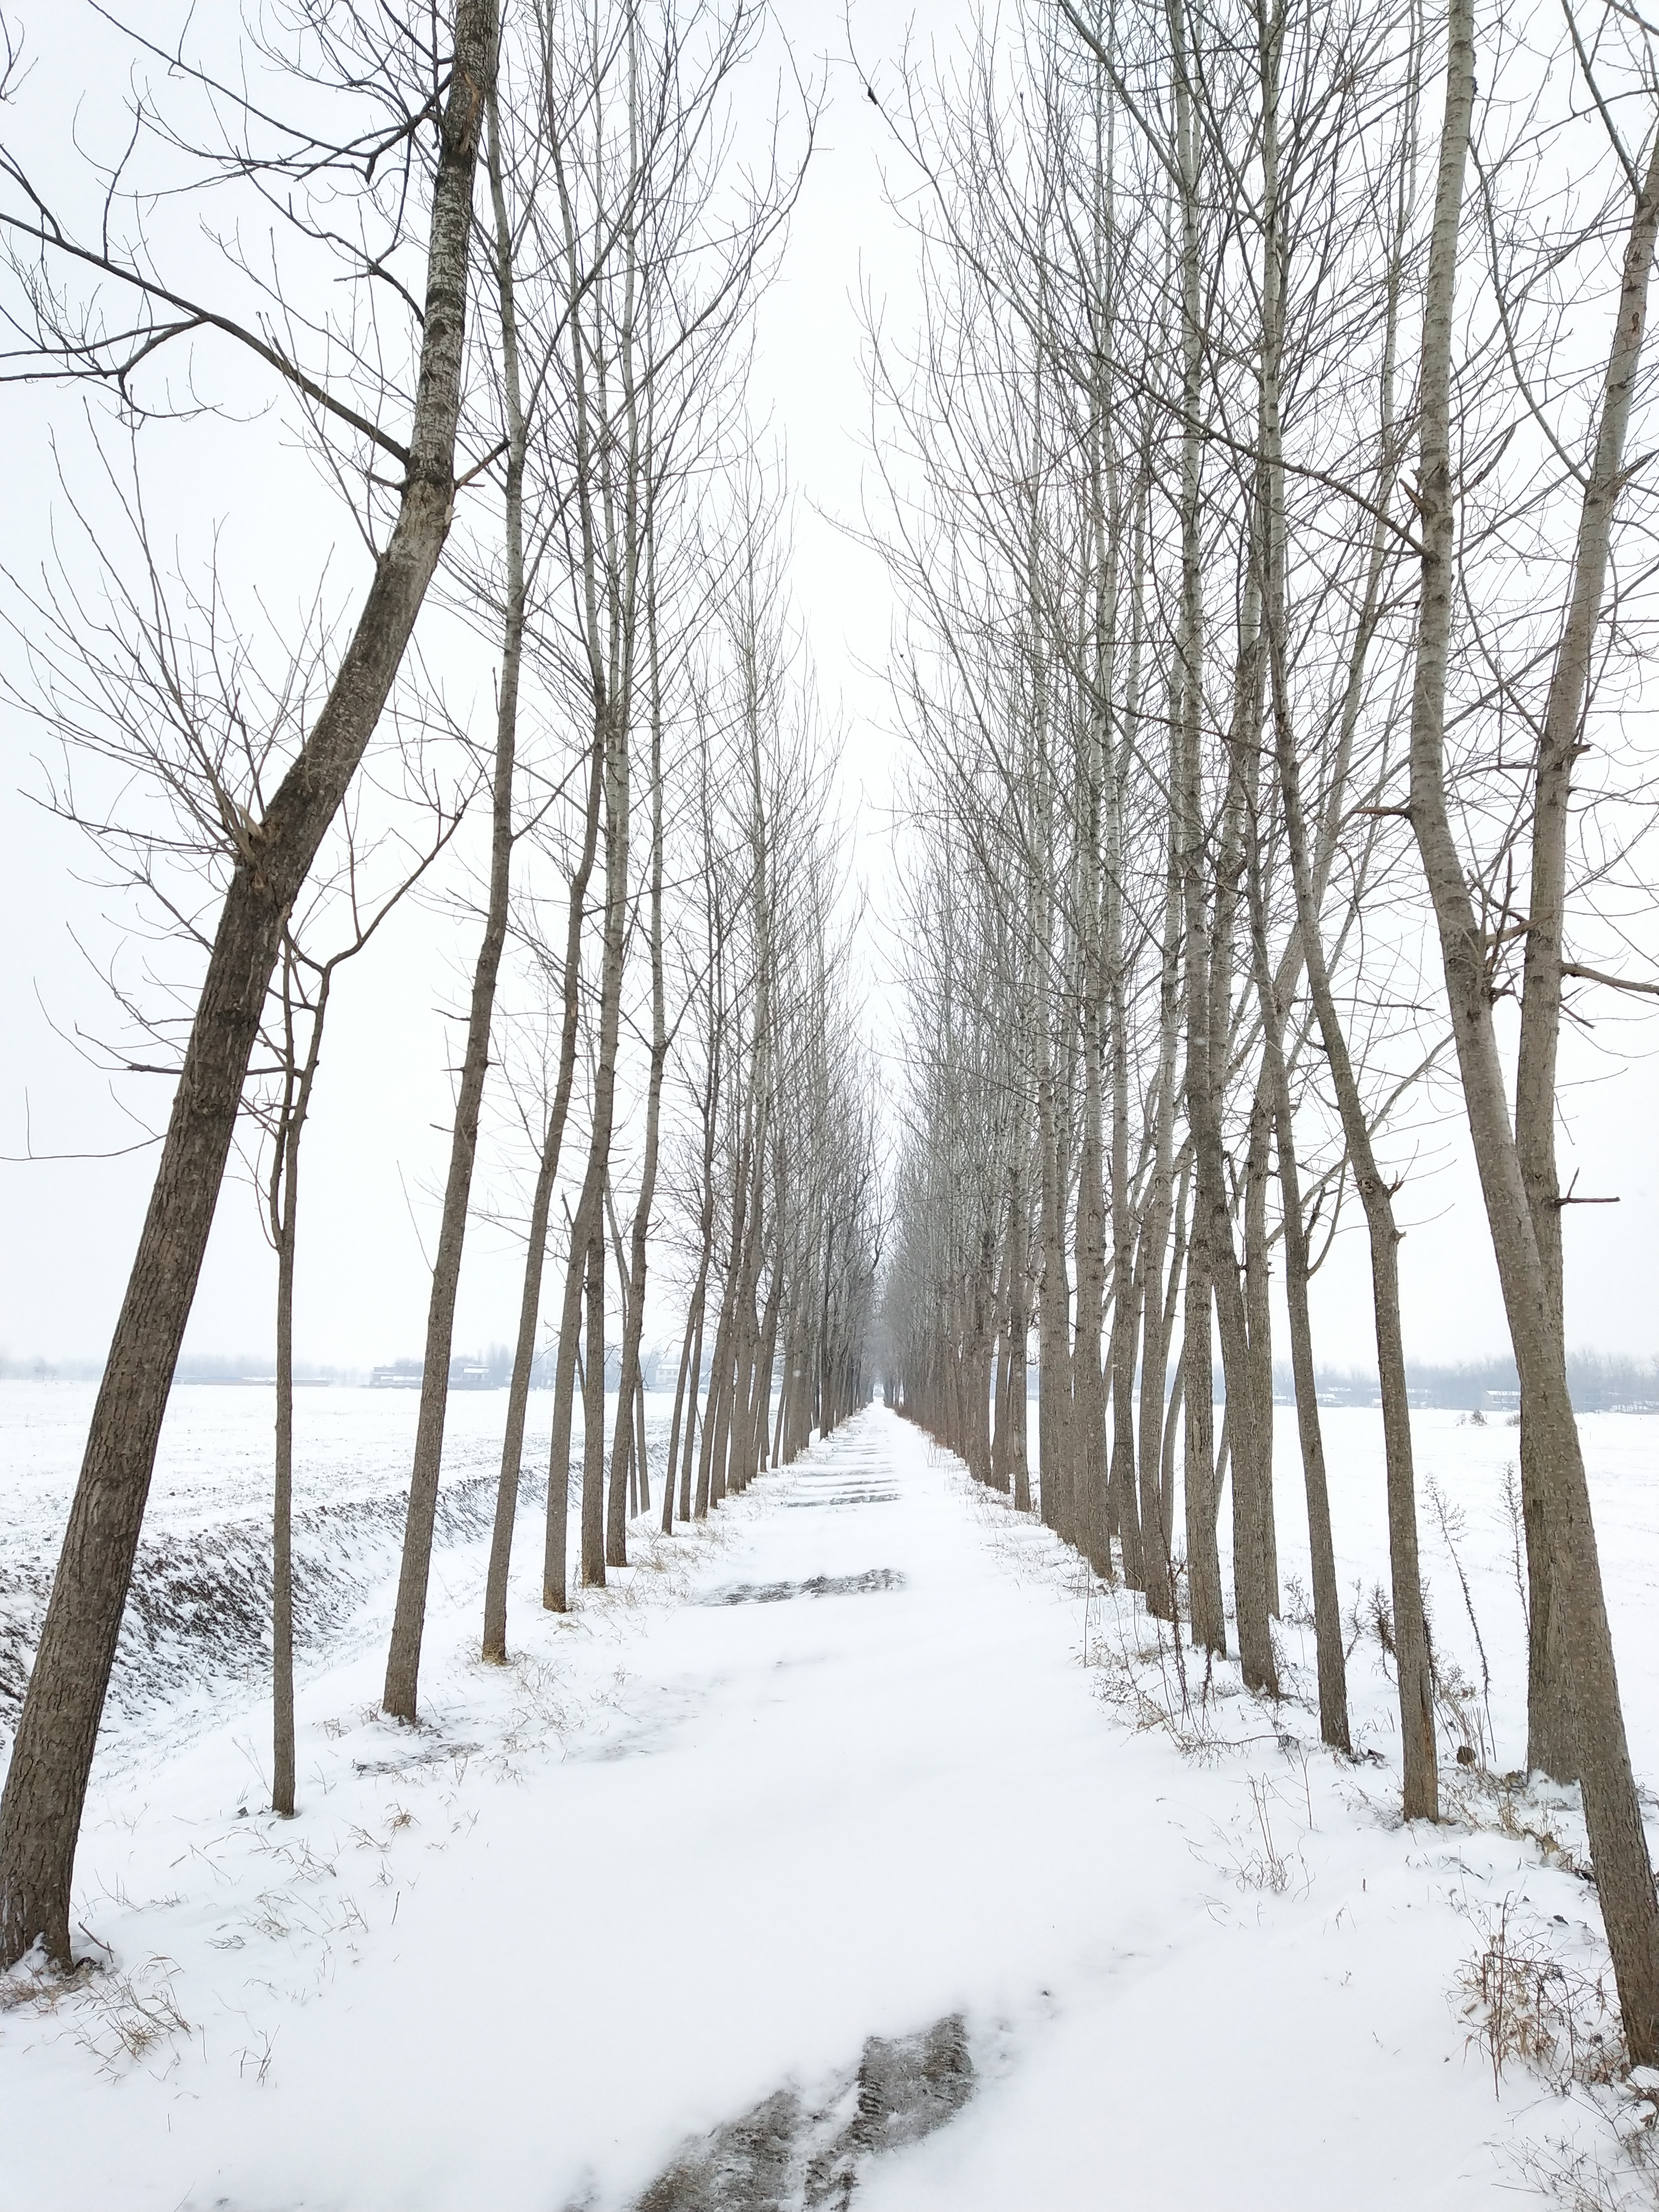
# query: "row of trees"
1255,519
533,402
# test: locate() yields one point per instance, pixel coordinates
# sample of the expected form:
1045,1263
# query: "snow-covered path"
844,1778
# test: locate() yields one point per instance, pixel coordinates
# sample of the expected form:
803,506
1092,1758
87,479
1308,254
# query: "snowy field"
198,1623
854,1845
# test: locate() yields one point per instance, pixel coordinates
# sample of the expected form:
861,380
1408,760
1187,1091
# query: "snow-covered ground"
198,1622
854,1841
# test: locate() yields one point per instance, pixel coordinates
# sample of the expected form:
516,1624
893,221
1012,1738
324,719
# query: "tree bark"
1327,1612
594,1415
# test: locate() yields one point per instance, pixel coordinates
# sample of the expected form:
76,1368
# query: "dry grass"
1265,1862
1524,2005
126,2019
35,1983
1512,1820
1583,2180
1510,1803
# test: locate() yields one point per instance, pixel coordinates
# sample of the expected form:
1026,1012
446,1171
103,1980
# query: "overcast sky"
376,1150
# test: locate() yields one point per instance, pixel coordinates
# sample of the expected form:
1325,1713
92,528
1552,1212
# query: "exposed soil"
873,1578
792,2153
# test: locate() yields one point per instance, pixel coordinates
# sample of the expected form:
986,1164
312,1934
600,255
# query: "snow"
198,1621
831,1768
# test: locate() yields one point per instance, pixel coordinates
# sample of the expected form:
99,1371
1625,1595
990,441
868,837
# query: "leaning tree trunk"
402,1666
57,1729
1326,1602
1611,1811
1420,1779
547,1173
1550,1743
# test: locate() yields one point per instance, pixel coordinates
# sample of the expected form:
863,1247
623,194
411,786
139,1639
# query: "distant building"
473,1374
401,1375
463,1375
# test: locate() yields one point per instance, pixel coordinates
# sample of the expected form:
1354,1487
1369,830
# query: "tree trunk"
1206,1611
594,1415
1091,1524
1421,1782
282,1548
556,1564
1612,1813
57,1729
616,1533
1209,972
547,1173
1327,1612
1001,1362
1259,1319
1020,1339
587,1234
713,1411
1550,1745
402,1666
691,1434
1054,1323
1157,1532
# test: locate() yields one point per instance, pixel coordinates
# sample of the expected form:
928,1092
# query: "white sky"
380,1131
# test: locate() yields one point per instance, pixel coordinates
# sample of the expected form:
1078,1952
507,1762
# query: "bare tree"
1612,1814
304,987
47,1783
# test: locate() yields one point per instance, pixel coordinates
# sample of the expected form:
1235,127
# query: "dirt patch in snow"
842,1498
873,1578
789,2154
